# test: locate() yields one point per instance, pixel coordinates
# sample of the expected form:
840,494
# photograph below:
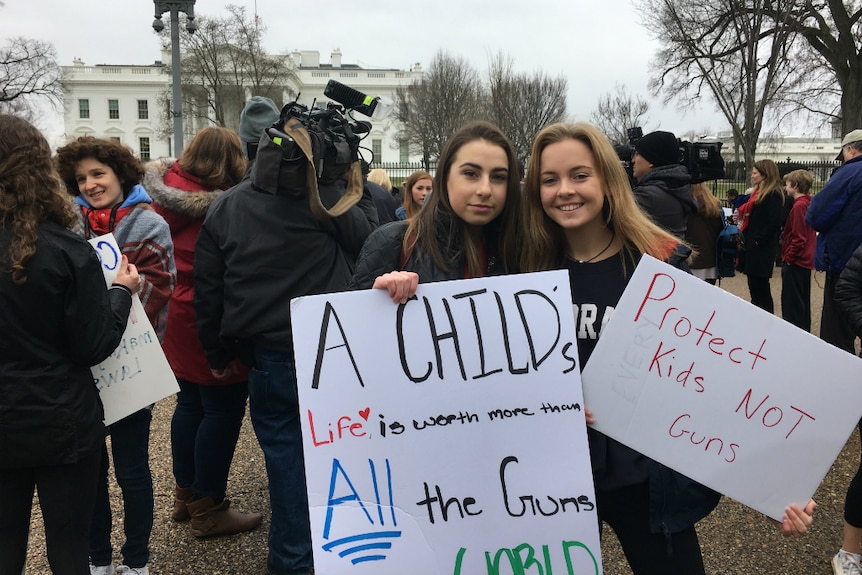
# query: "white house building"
125,101
788,148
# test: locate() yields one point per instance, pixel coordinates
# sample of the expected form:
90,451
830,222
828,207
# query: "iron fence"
399,171
736,174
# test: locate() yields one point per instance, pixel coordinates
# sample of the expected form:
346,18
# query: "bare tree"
429,111
618,111
728,50
832,34
522,104
28,74
222,61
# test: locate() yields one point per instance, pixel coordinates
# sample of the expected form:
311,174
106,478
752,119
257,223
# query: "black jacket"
259,247
382,254
761,235
665,195
848,291
53,327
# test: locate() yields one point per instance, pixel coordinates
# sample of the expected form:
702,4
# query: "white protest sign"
720,390
137,374
446,435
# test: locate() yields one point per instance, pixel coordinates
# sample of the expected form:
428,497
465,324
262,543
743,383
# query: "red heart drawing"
365,413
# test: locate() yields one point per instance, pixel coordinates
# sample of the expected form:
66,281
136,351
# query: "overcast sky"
596,44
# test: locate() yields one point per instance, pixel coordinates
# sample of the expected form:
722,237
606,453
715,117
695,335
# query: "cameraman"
260,246
663,188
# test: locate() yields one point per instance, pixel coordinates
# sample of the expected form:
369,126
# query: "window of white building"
113,109
145,148
377,149
84,109
143,110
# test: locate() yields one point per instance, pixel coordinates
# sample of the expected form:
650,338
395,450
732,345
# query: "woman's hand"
400,285
589,416
226,373
796,521
127,275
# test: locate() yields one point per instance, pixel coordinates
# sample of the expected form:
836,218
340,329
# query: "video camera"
334,133
312,148
702,159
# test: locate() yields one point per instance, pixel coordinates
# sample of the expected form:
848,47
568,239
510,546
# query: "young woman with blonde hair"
580,215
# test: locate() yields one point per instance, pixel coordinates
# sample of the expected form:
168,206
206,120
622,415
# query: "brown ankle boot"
182,495
210,519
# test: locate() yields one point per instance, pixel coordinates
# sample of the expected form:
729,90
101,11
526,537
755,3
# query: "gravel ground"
735,539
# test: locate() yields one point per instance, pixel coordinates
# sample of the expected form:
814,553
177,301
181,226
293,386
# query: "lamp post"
187,6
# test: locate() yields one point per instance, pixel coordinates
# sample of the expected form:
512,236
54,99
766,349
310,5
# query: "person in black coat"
762,230
58,319
848,297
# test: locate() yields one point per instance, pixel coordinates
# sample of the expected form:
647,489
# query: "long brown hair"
545,245
771,183
707,204
214,156
411,206
437,219
30,190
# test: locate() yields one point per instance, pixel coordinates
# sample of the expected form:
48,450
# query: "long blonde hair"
545,245
707,204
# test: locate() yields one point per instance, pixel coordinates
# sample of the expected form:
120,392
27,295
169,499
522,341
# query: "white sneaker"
125,570
846,564
102,570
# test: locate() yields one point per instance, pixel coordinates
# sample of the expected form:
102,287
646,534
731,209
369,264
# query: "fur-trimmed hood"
192,202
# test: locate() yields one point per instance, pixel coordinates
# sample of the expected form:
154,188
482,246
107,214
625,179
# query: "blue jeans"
204,431
130,448
274,408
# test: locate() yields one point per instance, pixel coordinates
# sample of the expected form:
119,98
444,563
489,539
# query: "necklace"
604,249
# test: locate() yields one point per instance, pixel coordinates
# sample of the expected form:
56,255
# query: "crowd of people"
217,302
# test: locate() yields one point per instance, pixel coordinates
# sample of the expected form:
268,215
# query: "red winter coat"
181,199
799,239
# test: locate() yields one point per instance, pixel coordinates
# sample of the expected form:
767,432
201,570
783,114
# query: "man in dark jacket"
261,245
836,212
663,187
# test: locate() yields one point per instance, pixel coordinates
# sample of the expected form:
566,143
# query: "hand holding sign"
445,434
137,374
127,275
400,285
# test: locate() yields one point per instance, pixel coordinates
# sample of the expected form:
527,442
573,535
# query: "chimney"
310,59
335,58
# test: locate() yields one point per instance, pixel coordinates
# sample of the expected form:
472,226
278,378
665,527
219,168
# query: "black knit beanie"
659,148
